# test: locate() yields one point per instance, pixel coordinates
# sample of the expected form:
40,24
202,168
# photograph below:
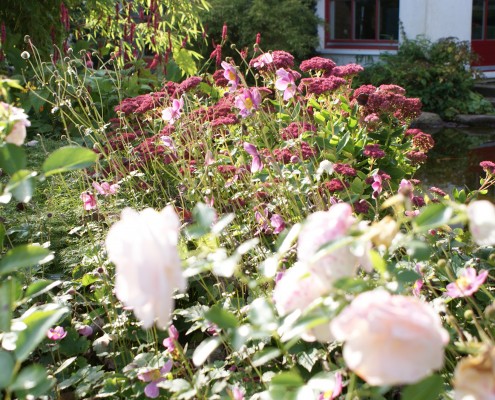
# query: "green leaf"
7,297
265,355
39,287
418,250
12,158
343,142
204,349
433,216
29,377
221,317
23,256
427,389
184,60
7,368
68,159
38,321
289,378
261,314
204,217
357,186
378,262
407,276
21,185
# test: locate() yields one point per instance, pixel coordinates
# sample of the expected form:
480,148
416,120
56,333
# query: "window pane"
490,21
365,21
389,20
477,21
340,19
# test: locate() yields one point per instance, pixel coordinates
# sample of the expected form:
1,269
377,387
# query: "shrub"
289,25
438,73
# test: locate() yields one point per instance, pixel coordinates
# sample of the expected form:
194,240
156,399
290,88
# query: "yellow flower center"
463,283
155,375
248,103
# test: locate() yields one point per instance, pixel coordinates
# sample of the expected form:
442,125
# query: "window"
353,23
483,22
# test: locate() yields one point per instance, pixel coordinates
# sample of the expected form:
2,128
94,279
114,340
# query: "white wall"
434,19
437,19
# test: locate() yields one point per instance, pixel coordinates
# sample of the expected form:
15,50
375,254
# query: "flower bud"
25,55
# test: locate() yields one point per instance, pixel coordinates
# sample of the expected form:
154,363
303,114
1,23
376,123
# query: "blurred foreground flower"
390,340
143,247
467,284
474,377
481,216
57,333
297,289
18,121
337,261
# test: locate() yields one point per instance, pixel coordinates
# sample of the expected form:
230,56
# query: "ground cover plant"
254,233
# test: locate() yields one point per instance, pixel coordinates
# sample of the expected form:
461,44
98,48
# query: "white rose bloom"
390,340
323,227
474,377
17,135
297,289
481,216
20,121
143,247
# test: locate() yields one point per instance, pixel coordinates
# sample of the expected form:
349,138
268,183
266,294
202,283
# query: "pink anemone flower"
467,284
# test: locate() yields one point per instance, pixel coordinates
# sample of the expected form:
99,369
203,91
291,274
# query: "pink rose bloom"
57,333
89,201
326,226
481,216
297,289
390,340
467,284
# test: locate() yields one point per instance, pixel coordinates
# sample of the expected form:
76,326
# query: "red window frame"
378,44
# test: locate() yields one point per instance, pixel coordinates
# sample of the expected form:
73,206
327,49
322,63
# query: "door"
483,32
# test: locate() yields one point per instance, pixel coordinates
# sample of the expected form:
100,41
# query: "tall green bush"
289,25
436,72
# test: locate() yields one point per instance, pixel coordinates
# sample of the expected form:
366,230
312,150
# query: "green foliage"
289,25
438,73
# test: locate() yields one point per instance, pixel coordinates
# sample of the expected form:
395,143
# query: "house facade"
360,30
